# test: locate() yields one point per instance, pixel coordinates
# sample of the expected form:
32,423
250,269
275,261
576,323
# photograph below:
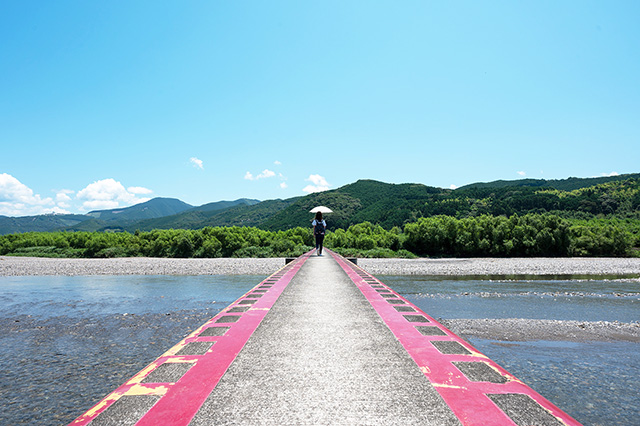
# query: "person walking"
319,228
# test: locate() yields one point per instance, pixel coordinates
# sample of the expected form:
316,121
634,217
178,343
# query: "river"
65,342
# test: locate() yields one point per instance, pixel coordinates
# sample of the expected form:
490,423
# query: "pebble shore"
503,266
22,266
522,330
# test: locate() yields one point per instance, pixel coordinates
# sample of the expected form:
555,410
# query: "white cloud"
283,185
63,199
197,163
319,184
452,186
100,205
277,163
522,173
611,174
139,190
17,199
108,194
58,209
266,173
63,195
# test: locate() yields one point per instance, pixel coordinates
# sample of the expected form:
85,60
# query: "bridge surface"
322,342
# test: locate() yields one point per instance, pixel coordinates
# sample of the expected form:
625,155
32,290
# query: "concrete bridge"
322,342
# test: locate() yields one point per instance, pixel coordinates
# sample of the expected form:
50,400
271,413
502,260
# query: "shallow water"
66,342
593,381
578,300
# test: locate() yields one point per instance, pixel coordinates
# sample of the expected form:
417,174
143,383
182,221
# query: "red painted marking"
466,399
180,401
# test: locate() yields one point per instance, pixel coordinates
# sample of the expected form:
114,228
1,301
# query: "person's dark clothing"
319,234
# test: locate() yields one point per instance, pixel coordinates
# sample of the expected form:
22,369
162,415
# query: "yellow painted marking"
142,374
259,309
99,406
506,376
176,348
444,385
198,330
425,370
478,355
147,390
182,359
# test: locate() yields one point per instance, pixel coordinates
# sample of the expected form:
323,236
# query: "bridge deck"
323,342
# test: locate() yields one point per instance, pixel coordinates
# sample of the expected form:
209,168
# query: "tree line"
526,235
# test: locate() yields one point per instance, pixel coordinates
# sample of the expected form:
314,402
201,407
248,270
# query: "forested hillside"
157,207
41,223
375,219
620,198
240,214
391,205
563,184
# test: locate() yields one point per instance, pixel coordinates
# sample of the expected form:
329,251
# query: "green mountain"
569,184
395,205
221,205
381,203
115,220
241,212
41,223
365,200
189,218
157,207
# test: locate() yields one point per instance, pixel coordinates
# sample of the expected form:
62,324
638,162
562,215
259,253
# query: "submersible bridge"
323,342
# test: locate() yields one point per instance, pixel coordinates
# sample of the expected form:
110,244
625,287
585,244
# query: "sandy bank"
510,266
520,330
15,266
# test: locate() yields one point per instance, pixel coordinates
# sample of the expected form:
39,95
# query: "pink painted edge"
181,400
466,399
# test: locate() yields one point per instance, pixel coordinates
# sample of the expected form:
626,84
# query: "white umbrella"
321,209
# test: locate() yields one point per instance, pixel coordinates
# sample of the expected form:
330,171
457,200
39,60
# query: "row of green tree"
619,198
180,243
485,235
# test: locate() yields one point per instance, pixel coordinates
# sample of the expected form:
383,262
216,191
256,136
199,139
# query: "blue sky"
106,104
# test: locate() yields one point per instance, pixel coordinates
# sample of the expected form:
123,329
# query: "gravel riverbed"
22,266
503,266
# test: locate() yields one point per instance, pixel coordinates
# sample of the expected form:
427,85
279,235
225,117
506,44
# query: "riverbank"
523,330
25,266
503,266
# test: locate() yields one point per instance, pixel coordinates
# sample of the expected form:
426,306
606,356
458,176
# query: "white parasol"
321,209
